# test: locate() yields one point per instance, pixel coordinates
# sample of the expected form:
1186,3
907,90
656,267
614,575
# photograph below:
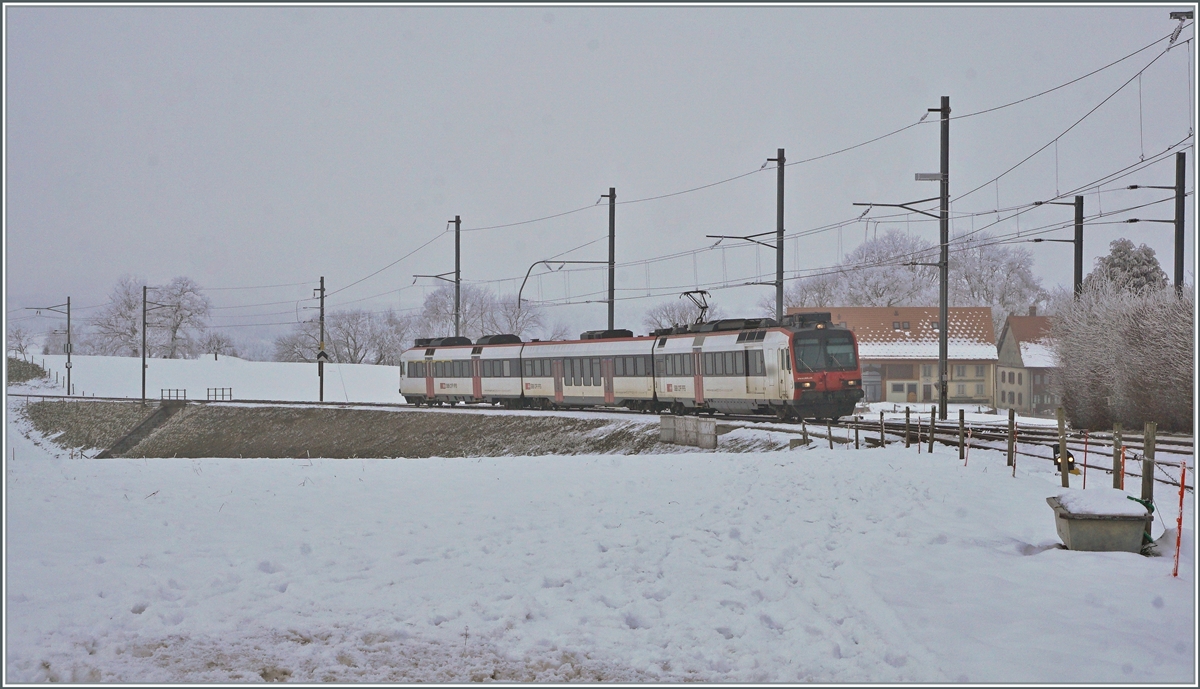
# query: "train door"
556,368
698,374
429,379
606,374
785,375
476,379
755,375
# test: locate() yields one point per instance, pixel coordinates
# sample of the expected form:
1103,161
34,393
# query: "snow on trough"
806,565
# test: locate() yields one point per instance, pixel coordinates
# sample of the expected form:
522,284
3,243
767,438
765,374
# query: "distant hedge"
20,371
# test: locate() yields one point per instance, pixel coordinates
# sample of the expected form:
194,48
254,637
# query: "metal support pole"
1078,286
1118,469
779,241
962,435
68,343
1012,434
907,425
1063,464
321,347
612,254
1180,175
1148,471
143,347
932,428
944,238
457,273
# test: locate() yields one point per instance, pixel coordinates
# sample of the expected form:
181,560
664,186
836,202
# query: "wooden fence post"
1118,465
1148,471
932,427
882,439
1012,434
829,430
804,430
907,432
962,448
1062,449
856,422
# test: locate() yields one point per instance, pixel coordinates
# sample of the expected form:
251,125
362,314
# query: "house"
898,351
1026,365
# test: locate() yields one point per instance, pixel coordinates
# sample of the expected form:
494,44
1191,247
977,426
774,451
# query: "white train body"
731,370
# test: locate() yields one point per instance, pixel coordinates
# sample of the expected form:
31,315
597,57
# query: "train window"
487,368
839,352
596,372
708,363
641,365
760,363
528,368
546,370
508,368
660,365
619,363
718,364
577,372
739,361
730,366
670,364
808,353
687,364
587,371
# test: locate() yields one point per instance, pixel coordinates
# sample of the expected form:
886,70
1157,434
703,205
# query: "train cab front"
827,379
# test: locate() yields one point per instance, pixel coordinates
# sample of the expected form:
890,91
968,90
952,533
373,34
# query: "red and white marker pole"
1179,522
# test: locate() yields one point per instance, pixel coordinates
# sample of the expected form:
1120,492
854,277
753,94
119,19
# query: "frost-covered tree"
985,273
876,272
1126,356
301,344
1129,268
18,340
507,318
117,327
181,322
437,312
351,337
217,343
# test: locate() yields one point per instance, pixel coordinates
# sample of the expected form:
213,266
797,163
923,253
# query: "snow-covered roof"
959,350
1038,355
910,332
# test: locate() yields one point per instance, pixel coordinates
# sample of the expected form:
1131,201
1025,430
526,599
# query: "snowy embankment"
879,565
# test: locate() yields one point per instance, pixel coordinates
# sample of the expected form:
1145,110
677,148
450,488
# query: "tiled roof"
970,334
1029,328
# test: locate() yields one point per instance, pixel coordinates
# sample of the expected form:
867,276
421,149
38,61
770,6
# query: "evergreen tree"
1129,268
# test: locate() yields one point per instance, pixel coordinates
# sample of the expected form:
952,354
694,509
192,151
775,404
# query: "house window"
960,372
926,370
935,325
961,390
895,325
1020,377
979,371
899,387
905,325
1019,399
1010,398
1012,378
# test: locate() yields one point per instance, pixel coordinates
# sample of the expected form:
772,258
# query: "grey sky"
246,146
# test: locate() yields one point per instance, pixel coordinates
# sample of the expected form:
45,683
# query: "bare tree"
117,327
506,317
392,337
559,331
349,334
984,273
437,312
215,342
677,312
301,344
182,321
19,340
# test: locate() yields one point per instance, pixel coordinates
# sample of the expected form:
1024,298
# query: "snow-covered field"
817,565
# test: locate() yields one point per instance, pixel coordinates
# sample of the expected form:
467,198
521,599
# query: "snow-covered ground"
877,565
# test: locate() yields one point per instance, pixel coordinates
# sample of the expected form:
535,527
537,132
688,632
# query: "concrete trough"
1091,529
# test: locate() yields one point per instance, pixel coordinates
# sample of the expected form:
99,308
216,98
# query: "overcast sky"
251,146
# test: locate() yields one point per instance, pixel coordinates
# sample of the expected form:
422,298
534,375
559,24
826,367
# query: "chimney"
1033,310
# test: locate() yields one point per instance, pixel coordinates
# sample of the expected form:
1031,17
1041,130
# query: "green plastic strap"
1148,504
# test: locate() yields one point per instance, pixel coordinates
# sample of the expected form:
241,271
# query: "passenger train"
804,367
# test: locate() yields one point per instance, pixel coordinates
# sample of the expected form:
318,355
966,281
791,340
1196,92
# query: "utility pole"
321,355
1078,286
779,161
146,308
457,273
612,252
1180,175
943,290
67,348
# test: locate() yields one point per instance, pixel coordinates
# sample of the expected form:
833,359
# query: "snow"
809,565
1038,355
957,350
1100,501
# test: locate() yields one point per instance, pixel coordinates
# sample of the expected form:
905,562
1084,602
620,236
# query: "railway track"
991,436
